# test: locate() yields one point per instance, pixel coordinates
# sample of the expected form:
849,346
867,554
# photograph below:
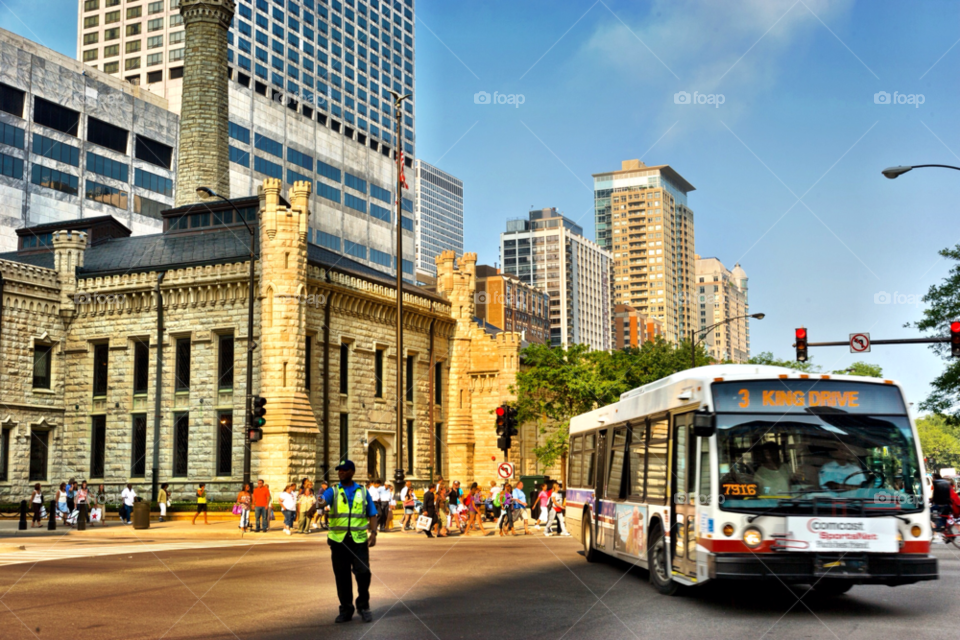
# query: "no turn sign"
505,470
859,342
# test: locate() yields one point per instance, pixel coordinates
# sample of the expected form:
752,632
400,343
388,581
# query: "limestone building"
722,295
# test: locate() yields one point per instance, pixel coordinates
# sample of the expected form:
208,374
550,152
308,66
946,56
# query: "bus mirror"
704,424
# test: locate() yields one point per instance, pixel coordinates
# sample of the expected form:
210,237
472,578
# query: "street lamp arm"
695,339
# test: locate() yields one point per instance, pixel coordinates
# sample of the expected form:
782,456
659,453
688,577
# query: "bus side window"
637,460
657,462
589,459
706,491
617,461
576,461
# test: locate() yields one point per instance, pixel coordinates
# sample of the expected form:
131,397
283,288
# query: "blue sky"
786,170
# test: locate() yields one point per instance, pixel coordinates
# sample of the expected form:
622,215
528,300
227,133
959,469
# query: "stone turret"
203,154
68,251
289,447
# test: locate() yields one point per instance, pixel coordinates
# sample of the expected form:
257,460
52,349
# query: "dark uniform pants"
347,556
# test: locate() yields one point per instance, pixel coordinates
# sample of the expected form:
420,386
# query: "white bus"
754,472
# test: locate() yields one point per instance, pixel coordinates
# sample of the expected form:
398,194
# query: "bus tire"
661,575
590,552
831,588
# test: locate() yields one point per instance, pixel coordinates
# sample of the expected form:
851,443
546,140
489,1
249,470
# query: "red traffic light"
955,327
501,410
802,333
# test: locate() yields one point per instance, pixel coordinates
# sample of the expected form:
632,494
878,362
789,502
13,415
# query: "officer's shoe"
346,614
366,615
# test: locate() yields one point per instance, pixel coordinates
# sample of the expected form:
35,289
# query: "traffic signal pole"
802,343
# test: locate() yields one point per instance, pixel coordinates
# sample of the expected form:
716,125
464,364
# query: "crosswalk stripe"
40,554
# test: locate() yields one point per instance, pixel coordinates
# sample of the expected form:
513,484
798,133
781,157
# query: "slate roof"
180,250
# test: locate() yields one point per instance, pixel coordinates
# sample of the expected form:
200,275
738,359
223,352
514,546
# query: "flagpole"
401,183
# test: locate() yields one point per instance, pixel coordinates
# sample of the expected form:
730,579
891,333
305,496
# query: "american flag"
403,178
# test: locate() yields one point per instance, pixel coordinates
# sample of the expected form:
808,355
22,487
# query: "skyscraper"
309,99
722,295
548,251
642,218
438,214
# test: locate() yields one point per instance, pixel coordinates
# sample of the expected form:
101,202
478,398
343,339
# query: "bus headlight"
915,531
752,537
728,529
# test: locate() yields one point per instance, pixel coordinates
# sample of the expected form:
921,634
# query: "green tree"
943,302
766,357
939,441
861,368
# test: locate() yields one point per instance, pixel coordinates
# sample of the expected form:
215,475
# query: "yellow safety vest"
343,519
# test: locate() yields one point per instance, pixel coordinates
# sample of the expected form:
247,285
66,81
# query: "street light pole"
694,340
401,396
207,192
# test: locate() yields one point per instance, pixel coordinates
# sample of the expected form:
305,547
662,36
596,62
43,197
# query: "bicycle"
945,524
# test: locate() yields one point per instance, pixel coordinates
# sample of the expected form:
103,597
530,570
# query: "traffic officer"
353,530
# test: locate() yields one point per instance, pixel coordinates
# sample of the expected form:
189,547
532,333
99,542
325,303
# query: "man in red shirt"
261,503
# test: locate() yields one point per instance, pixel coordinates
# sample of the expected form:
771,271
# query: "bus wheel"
660,573
589,552
827,587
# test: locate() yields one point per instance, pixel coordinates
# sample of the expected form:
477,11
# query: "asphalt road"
524,587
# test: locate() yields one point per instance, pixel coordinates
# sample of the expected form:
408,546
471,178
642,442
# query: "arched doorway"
376,461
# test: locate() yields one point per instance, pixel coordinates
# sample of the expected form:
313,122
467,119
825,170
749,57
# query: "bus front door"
603,534
683,496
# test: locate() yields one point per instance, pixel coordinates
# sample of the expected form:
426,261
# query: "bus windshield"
802,446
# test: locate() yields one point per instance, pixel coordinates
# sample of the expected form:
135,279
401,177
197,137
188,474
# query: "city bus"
753,472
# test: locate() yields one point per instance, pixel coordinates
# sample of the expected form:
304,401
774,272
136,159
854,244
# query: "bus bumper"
808,568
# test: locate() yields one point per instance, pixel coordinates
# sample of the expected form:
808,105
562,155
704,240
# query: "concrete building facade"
508,303
548,251
722,295
643,219
439,216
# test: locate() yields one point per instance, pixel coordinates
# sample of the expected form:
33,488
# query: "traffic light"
955,339
504,428
512,421
501,420
801,345
257,412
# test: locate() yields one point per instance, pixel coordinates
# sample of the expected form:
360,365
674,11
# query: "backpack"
497,502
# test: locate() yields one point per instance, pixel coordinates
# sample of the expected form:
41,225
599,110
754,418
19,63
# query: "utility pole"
401,395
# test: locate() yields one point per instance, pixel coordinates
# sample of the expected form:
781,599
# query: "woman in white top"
288,504
62,508
37,502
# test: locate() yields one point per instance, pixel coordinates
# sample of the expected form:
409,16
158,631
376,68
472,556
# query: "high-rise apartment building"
722,295
508,303
642,218
548,251
439,216
309,99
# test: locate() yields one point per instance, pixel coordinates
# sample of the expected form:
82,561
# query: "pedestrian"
99,503
557,504
409,511
201,503
306,502
262,500
62,508
163,499
470,505
453,506
506,515
353,531
520,506
36,500
387,494
443,513
492,496
535,501
542,502
288,504
322,513
430,508
244,500
377,497
128,496
71,494
83,498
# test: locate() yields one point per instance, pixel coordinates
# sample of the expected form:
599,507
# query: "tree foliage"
940,441
556,384
861,368
856,369
943,302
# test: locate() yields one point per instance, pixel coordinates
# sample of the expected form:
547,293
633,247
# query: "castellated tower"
203,153
68,249
289,446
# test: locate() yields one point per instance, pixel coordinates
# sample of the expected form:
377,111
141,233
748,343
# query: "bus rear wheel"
660,573
589,552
